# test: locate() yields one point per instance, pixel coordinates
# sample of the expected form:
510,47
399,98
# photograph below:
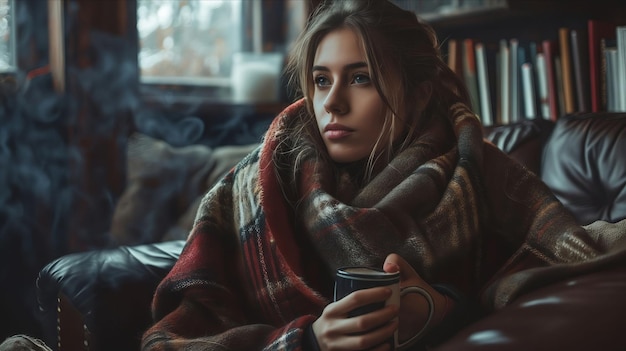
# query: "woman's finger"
369,339
358,298
369,321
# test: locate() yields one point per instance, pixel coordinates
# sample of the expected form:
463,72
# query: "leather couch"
100,300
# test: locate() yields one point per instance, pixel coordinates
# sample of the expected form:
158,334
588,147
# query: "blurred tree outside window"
7,36
188,41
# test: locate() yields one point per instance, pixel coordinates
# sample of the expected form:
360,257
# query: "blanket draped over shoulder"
459,210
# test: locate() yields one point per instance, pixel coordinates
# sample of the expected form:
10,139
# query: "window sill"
188,96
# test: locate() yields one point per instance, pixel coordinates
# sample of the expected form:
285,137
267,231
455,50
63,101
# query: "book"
528,89
596,31
469,73
610,56
454,58
621,68
533,49
607,46
504,83
542,87
483,84
558,78
580,65
566,71
515,83
547,47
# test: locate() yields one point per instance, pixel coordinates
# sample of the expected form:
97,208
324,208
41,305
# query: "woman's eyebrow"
320,68
355,65
347,67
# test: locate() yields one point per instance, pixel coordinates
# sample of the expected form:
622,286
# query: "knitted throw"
460,211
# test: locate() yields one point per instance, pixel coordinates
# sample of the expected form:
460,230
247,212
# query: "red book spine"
597,30
566,70
548,52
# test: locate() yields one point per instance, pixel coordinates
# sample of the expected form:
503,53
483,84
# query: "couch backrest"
581,157
523,140
584,163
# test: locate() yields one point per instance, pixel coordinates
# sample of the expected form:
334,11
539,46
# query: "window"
7,36
188,42
432,10
216,51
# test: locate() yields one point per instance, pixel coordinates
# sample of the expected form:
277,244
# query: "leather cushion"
585,165
523,140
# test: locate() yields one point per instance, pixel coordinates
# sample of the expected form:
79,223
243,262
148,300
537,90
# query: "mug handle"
431,312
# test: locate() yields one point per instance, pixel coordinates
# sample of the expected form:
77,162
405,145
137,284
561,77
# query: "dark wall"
62,154
35,193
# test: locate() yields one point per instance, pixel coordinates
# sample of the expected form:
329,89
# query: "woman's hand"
335,330
414,308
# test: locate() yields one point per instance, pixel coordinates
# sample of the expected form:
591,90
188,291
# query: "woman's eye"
361,79
321,81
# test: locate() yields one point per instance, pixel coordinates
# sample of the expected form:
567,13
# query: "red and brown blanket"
460,211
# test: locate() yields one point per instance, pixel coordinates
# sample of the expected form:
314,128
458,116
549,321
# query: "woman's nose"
336,101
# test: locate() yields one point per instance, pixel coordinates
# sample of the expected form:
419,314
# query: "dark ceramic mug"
349,279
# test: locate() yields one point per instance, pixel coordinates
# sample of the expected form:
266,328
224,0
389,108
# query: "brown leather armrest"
585,313
105,292
72,331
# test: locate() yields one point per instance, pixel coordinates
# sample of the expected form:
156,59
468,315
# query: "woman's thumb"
394,263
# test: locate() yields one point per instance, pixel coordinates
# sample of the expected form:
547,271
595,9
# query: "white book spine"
528,88
483,85
542,87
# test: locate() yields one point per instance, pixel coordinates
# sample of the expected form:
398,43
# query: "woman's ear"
424,93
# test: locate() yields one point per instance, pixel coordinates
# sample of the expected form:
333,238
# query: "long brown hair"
397,45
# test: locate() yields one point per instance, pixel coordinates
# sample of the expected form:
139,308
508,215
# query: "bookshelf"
523,64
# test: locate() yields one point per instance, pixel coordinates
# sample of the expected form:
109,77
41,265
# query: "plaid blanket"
459,210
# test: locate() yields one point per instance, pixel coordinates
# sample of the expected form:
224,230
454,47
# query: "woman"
381,164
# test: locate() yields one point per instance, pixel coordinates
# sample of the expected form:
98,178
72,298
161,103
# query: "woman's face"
349,111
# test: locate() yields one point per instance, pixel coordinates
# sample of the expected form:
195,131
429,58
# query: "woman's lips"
337,131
